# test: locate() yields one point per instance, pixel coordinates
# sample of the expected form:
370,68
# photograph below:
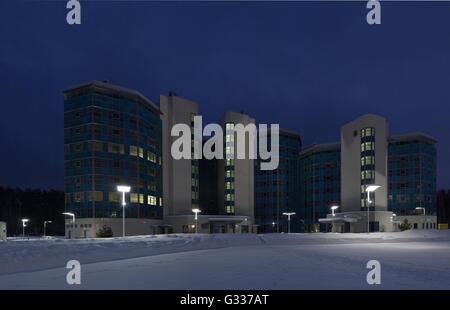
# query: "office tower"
364,150
112,136
235,176
319,173
412,173
208,186
180,176
276,191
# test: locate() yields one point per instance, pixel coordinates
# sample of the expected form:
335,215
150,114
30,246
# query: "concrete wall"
177,181
2,231
384,219
207,223
88,227
419,221
351,162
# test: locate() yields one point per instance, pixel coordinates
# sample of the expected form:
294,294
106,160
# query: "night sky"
310,67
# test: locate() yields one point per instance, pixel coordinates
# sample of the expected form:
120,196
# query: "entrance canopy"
338,219
227,219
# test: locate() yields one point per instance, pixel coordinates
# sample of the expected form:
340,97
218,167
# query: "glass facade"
112,136
276,191
195,183
412,175
319,170
367,166
229,169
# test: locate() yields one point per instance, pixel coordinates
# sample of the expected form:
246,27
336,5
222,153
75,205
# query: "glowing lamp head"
372,188
288,213
123,188
196,210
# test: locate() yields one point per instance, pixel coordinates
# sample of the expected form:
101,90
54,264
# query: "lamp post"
332,209
288,214
45,225
24,224
123,189
196,212
423,209
369,189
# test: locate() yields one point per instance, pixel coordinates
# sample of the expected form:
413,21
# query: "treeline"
443,206
37,206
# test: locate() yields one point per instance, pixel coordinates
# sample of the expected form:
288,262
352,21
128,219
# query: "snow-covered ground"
409,260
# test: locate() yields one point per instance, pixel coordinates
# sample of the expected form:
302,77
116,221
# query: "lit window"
98,196
229,126
151,200
133,150
114,196
133,198
115,148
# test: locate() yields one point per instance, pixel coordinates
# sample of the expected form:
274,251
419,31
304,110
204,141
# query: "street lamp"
72,215
123,189
24,224
421,208
369,189
45,225
288,214
196,212
333,208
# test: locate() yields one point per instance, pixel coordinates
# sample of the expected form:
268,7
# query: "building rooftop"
412,136
316,148
284,131
115,88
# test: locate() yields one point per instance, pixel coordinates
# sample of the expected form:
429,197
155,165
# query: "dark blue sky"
311,67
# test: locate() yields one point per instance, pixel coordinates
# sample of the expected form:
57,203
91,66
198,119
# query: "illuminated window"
151,200
367,160
151,157
133,150
98,196
115,148
229,138
160,202
367,132
141,152
229,126
141,198
133,197
114,196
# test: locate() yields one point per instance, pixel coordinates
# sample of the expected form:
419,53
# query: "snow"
409,260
